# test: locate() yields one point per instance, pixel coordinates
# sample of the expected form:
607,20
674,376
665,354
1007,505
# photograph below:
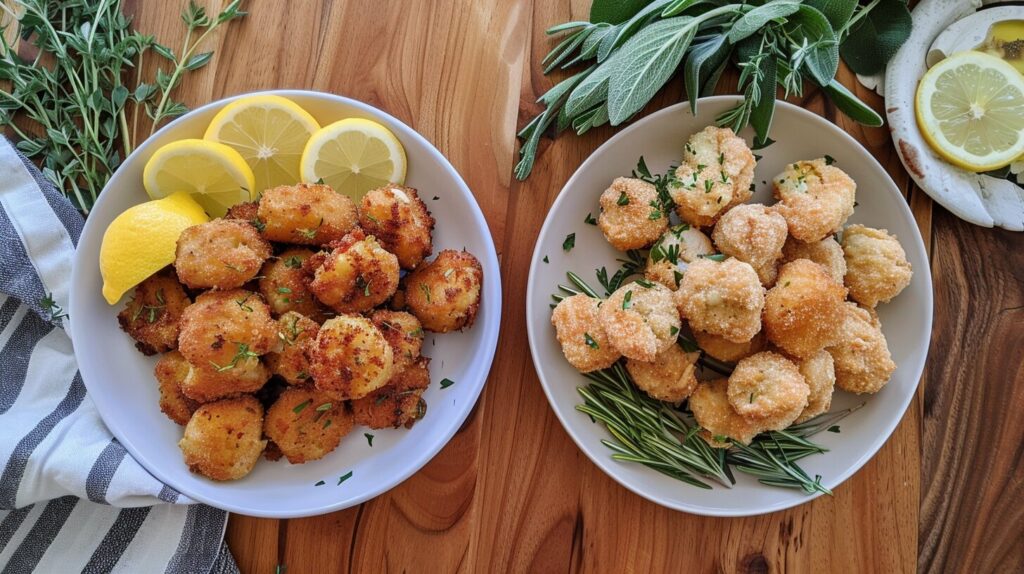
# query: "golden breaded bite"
220,254
804,310
246,211
207,383
826,253
815,198
715,176
355,276
820,374
283,284
307,214
403,332
297,334
672,254
722,298
350,357
876,265
755,234
444,294
584,342
768,388
397,217
398,403
670,377
632,216
725,350
223,440
713,413
151,316
170,371
862,360
640,320
305,424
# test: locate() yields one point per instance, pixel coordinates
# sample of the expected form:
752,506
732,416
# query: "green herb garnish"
446,382
570,242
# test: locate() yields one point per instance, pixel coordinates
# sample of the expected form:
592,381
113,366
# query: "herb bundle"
632,48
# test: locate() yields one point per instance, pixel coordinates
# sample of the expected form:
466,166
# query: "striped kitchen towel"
71,498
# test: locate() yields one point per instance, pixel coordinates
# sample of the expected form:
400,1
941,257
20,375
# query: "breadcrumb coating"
820,374
397,217
815,198
355,276
755,234
223,440
671,255
827,253
152,315
725,350
220,254
403,332
307,214
398,403
444,294
640,320
284,285
350,357
876,265
632,216
306,424
671,377
804,310
768,388
584,342
862,360
716,175
170,371
719,421
722,298
297,334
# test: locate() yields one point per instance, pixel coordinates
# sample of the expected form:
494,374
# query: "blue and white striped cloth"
71,498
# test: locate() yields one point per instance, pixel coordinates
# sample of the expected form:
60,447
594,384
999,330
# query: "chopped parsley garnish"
707,185
627,301
678,276
589,219
324,407
715,257
644,283
833,428
623,198
436,198
829,160
369,438
301,406
590,341
241,304
283,290
242,354
674,331
570,242
259,225
293,262
446,382
425,290
310,233
546,260
721,158
320,483
656,212
344,477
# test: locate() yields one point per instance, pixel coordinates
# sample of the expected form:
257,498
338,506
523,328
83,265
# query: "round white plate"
120,379
659,138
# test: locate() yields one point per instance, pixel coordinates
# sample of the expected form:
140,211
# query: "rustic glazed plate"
659,138
121,383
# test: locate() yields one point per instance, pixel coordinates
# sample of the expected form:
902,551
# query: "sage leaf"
564,49
615,11
838,12
754,20
705,58
764,108
678,7
876,37
850,105
590,91
821,50
565,27
627,29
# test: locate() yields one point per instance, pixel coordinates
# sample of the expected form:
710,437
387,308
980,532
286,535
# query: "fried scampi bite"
403,332
297,334
804,310
307,214
815,198
640,320
670,377
219,254
306,424
632,215
876,265
826,253
444,294
398,403
820,374
350,357
755,234
722,298
579,331
861,354
768,388
672,254
223,440
170,371
725,350
355,276
247,211
721,423
283,284
715,176
397,217
151,316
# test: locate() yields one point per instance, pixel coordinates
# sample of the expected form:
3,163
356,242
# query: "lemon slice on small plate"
970,109
270,133
353,156
215,175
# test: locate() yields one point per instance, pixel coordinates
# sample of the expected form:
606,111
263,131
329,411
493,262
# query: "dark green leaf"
851,106
198,61
764,108
615,11
705,57
678,7
754,20
626,30
874,40
838,12
118,97
821,50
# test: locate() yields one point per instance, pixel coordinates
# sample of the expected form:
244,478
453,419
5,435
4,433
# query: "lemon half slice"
353,156
216,175
970,108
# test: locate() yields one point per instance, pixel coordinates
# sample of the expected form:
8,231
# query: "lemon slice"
354,156
970,108
216,175
142,240
269,132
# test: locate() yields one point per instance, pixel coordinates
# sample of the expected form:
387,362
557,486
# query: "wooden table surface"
511,492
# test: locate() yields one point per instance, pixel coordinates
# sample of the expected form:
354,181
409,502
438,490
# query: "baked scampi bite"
715,175
640,320
632,215
582,337
722,298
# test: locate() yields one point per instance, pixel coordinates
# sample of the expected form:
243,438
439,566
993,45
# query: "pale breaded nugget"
297,334
444,294
725,350
223,440
716,175
819,373
284,285
151,316
862,360
804,310
815,198
632,216
670,377
671,255
768,388
220,254
397,217
170,371
403,332
305,424
722,298
640,320
876,265
755,234
355,276
584,342
826,253
308,214
350,357
398,403
713,413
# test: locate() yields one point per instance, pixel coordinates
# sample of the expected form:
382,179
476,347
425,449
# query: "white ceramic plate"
799,134
120,379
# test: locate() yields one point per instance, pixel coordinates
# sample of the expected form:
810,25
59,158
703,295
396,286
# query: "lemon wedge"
216,175
970,109
269,132
353,156
142,240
